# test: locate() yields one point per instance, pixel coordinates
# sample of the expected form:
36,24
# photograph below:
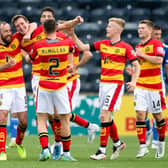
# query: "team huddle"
53,48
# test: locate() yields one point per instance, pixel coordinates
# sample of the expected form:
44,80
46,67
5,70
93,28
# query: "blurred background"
95,14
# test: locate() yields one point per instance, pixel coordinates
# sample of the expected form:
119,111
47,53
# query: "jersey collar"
115,42
143,44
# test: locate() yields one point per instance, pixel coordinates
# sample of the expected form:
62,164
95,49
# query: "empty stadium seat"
138,14
96,15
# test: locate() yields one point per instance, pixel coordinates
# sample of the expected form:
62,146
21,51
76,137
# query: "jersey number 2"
56,65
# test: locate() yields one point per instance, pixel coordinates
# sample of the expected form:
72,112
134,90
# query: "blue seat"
138,14
88,28
98,14
70,12
160,14
6,15
162,23
117,12
33,13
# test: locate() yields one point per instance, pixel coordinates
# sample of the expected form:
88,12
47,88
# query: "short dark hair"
48,9
50,26
147,22
16,17
156,27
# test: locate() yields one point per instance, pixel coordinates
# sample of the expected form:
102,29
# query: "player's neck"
51,36
115,39
144,40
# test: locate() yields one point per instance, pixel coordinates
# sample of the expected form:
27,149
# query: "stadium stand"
95,13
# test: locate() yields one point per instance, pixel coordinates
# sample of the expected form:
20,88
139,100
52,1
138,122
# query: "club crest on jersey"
38,38
13,46
147,49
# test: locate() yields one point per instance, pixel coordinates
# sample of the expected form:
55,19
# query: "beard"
6,40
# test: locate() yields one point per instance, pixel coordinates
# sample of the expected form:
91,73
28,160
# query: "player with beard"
12,89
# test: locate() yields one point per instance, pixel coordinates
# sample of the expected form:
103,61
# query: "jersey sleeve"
95,46
130,53
71,47
33,52
158,49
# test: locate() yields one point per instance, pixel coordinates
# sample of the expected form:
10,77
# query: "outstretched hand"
79,19
139,52
130,86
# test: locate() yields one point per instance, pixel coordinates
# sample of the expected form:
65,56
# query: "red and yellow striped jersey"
113,59
12,77
37,35
76,61
150,76
53,57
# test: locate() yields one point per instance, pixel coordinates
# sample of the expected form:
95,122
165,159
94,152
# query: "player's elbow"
159,60
87,54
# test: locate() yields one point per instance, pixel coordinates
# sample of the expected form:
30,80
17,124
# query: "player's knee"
140,115
102,118
23,123
3,117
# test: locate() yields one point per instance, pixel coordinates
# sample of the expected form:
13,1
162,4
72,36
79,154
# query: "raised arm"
85,58
80,45
32,27
70,23
71,62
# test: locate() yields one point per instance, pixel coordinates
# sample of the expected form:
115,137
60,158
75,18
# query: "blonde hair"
119,21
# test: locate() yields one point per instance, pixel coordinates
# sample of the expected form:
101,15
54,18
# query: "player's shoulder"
61,35
40,27
106,41
156,41
125,44
17,35
40,43
2,48
38,30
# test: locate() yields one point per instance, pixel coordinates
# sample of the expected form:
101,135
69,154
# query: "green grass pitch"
81,150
